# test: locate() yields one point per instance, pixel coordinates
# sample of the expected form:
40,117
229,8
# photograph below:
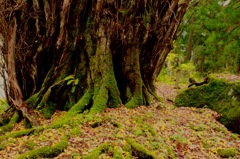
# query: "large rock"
219,95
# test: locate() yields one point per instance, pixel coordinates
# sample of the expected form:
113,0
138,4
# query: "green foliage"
215,35
71,80
187,67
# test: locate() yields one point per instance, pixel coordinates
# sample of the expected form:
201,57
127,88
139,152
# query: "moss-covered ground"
143,132
158,131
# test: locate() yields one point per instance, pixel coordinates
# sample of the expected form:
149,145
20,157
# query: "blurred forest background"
208,40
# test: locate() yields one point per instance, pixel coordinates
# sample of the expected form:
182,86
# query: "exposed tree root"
46,151
134,149
98,151
11,123
77,108
118,153
139,150
17,133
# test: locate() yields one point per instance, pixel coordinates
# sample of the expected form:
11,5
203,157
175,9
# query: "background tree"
103,52
215,42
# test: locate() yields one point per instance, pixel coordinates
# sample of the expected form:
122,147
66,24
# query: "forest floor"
160,131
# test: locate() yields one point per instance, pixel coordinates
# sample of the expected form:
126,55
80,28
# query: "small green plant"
71,80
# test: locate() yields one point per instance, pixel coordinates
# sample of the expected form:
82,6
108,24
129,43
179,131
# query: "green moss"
235,136
46,151
138,119
77,108
32,100
75,131
117,153
81,104
227,152
150,129
100,102
30,144
142,152
11,123
179,138
170,152
138,131
98,151
218,95
198,127
3,144
127,148
114,94
48,110
134,102
17,134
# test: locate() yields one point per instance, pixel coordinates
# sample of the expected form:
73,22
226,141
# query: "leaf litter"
166,131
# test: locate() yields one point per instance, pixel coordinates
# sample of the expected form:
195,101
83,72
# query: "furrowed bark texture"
116,49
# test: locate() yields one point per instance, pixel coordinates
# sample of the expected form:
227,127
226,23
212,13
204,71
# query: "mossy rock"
227,152
219,95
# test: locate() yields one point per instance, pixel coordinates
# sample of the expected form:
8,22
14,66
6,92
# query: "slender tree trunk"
16,98
190,41
201,67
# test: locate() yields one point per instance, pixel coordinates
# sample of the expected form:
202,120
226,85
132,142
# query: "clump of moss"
140,150
117,153
98,151
100,100
227,152
134,102
46,151
218,95
11,123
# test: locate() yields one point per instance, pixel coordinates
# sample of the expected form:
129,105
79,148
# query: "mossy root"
46,151
140,150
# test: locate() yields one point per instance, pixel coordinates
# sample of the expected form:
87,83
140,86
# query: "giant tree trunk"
109,51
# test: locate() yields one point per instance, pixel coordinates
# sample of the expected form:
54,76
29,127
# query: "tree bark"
111,49
201,67
16,98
